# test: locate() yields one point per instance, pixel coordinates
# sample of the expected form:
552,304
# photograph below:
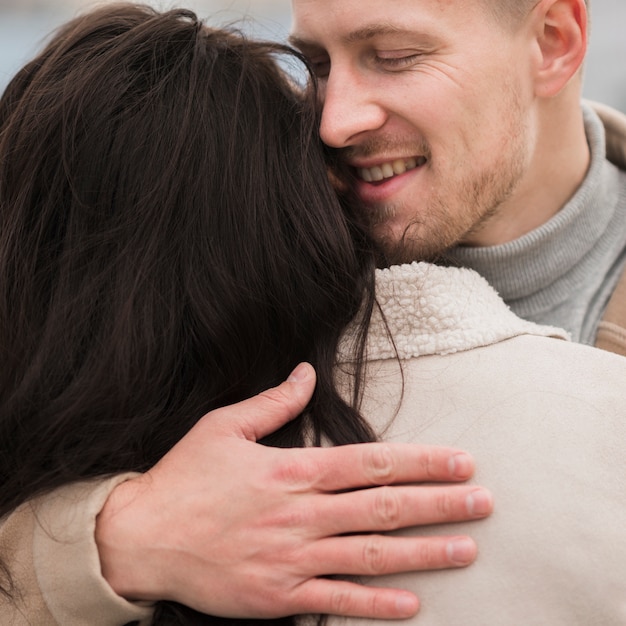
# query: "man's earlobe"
562,40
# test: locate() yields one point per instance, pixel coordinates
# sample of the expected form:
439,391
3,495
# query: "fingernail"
461,551
461,465
479,502
300,374
407,605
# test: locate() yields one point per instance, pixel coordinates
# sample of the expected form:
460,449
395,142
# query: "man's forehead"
311,8
320,23
356,20
349,21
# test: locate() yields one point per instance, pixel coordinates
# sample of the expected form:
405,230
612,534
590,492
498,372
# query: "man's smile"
389,169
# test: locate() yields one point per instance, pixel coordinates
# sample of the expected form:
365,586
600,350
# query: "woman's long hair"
169,244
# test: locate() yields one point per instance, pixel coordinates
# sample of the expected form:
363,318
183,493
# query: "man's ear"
561,31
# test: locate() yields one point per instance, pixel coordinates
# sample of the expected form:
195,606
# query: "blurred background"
24,25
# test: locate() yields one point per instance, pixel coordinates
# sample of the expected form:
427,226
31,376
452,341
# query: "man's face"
429,102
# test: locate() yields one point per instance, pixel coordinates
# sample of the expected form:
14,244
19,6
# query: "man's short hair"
513,12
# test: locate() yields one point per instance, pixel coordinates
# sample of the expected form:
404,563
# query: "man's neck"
563,272
559,164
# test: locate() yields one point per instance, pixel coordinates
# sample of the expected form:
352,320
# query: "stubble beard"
450,218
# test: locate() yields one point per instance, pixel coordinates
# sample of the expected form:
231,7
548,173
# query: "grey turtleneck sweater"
564,272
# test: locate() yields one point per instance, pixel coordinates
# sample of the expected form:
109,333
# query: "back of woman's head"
169,243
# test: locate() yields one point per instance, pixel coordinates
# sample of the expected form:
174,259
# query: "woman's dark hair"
169,243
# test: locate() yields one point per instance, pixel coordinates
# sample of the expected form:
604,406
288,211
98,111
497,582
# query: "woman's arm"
238,529
49,547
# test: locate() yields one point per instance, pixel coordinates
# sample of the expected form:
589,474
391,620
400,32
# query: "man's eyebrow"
375,30
359,35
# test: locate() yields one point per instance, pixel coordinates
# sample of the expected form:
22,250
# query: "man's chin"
407,248
400,254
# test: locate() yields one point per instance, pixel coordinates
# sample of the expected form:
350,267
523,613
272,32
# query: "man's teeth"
390,169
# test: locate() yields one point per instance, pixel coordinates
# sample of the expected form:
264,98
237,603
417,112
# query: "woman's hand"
237,529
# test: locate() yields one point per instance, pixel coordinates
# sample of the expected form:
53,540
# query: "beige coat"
611,333
546,422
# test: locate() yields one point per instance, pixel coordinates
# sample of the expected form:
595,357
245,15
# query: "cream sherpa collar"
438,310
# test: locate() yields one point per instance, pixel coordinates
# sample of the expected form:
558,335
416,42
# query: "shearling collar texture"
427,309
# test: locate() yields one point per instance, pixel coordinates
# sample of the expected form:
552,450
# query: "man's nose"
349,108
